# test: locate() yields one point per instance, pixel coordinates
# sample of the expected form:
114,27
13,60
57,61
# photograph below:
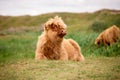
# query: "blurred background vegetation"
102,18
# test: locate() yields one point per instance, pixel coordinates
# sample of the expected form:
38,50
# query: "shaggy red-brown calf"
109,36
52,44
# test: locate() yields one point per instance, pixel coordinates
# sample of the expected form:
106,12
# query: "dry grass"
92,69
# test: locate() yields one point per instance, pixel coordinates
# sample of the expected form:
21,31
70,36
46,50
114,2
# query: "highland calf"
52,44
109,36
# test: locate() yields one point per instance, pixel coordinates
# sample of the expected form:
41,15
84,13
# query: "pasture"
17,60
17,50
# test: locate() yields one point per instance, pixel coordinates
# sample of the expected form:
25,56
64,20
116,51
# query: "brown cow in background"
108,36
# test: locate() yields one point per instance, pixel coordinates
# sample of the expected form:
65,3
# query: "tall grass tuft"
86,42
22,45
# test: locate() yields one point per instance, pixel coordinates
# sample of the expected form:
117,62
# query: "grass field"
22,45
17,50
17,60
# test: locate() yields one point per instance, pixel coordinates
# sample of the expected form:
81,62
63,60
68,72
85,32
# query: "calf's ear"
45,27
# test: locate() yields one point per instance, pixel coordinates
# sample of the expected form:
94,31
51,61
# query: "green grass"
17,46
86,41
22,45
